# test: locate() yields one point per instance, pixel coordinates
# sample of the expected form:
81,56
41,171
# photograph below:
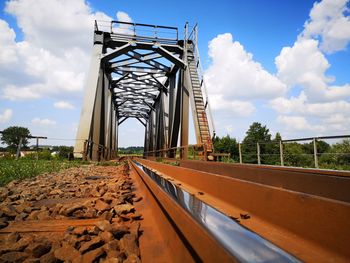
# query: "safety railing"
139,32
192,152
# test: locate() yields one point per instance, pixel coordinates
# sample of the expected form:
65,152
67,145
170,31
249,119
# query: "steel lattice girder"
141,77
138,79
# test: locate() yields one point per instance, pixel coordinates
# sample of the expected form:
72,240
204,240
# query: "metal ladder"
200,105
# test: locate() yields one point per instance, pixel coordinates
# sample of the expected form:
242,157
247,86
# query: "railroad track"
260,214
156,212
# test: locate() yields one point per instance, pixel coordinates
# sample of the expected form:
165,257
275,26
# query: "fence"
277,152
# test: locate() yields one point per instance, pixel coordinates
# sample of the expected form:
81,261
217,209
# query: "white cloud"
301,105
123,28
54,53
55,25
233,72
6,115
304,64
234,107
329,20
331,117
43,122
321,106
123,17
7,43
63,105
12,92
298,123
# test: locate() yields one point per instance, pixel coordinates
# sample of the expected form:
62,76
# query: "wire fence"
312,152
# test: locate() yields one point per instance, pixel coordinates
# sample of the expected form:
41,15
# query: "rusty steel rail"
310,227
324,183
201,226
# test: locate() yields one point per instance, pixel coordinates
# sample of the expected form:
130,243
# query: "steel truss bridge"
148,73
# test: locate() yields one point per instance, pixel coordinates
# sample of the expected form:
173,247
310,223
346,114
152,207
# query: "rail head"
205,227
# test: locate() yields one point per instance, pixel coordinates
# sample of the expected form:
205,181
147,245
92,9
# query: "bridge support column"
88,114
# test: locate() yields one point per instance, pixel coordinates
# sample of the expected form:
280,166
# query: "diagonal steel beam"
168,55
122,50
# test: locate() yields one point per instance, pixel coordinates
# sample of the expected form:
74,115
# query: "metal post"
281,153
240,153
258,152
18,153
84,151
37,148
205,152
315,153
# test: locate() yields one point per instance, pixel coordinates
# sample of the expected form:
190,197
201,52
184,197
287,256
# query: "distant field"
11,169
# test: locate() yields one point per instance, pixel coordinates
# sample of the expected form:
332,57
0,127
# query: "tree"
256,133
11,136
227,144
278,137
273,151
337,155
295,155
322,147
65,151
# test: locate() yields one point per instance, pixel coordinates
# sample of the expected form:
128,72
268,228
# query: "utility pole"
37,143
18,153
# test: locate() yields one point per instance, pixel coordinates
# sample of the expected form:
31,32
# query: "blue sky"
282,63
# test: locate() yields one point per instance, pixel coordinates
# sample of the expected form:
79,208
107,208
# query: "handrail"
134,29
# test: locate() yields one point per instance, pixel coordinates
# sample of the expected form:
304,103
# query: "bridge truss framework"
144,72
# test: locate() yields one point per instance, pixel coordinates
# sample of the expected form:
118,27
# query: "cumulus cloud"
234,107
330,21
321,106
43,122
305,65
234,72
54,52
6,115
63,105
236,82
300,105
7,43
298,123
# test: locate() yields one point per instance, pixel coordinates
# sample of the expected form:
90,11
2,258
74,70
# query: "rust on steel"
159,240
325,183
197,245
310,227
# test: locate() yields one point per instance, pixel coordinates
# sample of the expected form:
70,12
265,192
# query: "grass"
108,163
11,169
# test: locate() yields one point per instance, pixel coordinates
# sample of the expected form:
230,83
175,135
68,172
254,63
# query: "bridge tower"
145,72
